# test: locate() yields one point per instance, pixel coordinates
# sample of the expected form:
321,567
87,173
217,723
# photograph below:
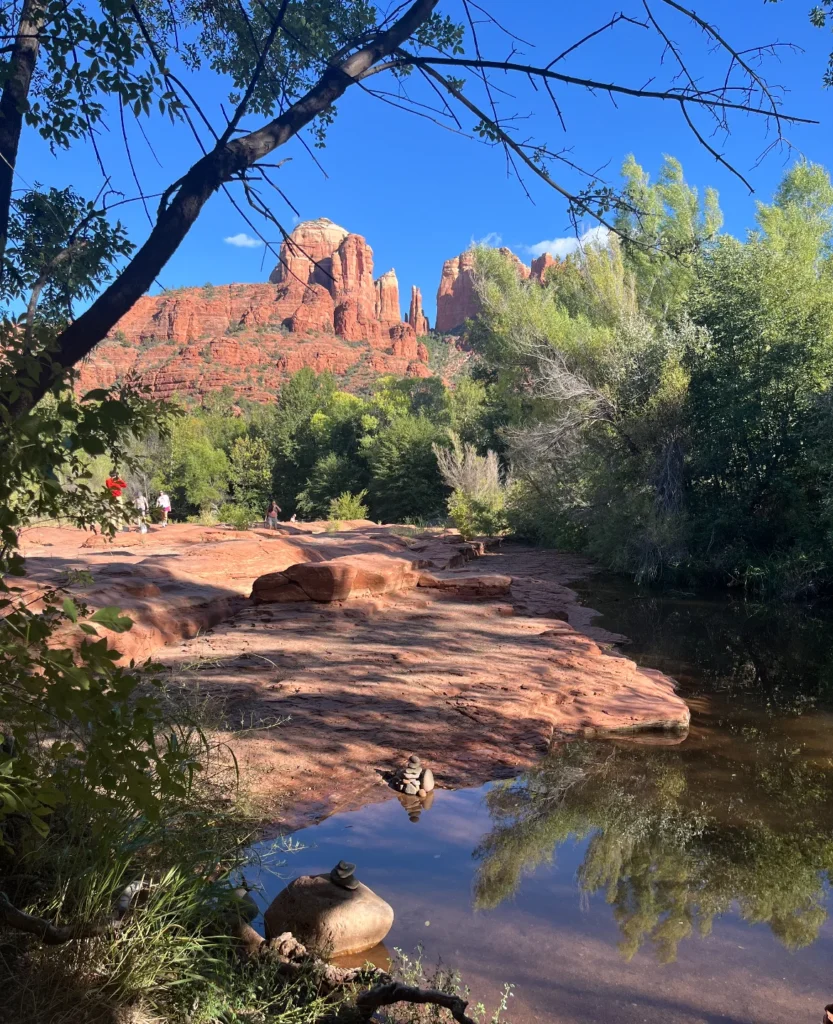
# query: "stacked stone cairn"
343,876
416,785
413,779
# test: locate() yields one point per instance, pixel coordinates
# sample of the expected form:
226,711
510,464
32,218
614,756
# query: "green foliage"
671,416
405,482
250,471
199,469
474,518
62,247
238,516
478,496
77,731
665,220
348,506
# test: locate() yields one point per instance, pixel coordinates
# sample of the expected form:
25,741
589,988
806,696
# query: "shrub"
477,505
349,506
208,517
237,516
475,518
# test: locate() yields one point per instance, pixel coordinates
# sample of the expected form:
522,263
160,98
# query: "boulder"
353,576
483,587
327,917
276,588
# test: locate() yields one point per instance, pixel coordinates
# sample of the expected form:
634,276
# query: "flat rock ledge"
342,653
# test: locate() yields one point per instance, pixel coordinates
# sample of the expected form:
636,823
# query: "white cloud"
562,247
243,241
492,240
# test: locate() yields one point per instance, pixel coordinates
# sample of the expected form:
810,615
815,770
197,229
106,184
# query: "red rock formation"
321,308
542,264
387,300
457,299
416,318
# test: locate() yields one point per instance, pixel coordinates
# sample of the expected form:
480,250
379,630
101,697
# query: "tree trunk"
14,101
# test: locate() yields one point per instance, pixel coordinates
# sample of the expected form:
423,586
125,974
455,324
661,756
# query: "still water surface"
680,882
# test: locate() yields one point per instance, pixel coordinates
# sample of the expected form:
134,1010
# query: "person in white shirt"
164,502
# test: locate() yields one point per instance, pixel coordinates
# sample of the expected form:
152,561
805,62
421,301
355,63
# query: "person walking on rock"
164,502
272,515
140,503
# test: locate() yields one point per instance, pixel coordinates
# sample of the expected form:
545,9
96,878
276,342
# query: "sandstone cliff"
456,297
321,308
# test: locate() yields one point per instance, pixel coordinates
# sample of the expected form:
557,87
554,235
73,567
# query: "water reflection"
741,813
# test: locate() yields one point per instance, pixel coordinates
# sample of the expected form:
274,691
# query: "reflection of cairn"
413,779
342,875
415,805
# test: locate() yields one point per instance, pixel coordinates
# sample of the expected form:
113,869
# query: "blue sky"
420,194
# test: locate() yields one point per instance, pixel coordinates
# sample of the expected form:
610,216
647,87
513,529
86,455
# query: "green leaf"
70,609
112,619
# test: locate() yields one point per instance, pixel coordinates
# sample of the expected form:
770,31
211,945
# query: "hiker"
272,515
164,502
140,503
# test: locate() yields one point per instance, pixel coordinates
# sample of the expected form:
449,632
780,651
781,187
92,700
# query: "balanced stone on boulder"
327,917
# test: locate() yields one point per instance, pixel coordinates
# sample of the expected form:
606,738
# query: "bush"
237,516
474,518
348,506
478,499
208,517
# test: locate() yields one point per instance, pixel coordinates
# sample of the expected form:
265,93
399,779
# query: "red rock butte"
457,299
321,308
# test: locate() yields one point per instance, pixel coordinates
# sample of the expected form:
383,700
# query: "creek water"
679,881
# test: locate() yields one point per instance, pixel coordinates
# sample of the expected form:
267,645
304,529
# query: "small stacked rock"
342,875
413,779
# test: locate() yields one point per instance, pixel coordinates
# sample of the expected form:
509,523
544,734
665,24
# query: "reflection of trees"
781,652
670,845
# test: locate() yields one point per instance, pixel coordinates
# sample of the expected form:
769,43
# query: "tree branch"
394,992
57,934
705,97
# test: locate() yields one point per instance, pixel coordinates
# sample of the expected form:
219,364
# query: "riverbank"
477,666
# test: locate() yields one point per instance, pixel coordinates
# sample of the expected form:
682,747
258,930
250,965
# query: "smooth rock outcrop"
327,917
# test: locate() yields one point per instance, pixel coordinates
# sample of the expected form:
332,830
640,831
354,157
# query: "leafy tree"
661,220
200,471
332,475
250,471
348,506
756,395
405,483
